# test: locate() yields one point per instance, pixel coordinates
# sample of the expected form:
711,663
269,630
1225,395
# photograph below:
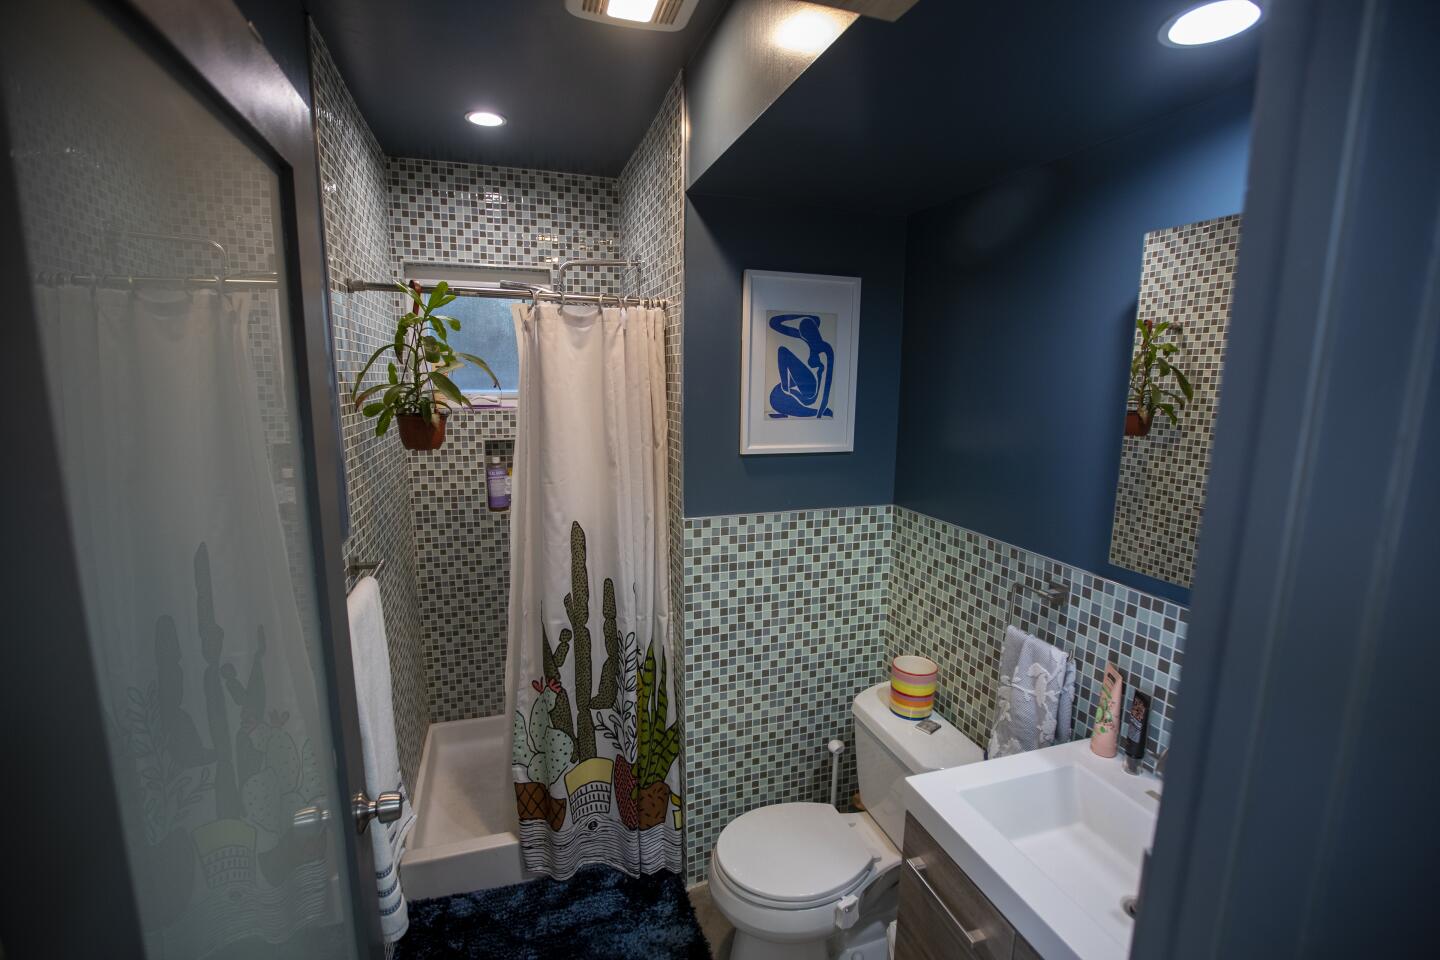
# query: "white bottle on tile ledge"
497,485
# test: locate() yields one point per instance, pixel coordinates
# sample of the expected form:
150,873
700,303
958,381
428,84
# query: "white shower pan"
466,835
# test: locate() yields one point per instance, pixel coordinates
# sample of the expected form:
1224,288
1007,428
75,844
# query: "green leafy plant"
417,381
657,745
1152,374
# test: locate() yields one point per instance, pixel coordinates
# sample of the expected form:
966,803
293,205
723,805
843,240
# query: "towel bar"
1053,595
1057,595
357,570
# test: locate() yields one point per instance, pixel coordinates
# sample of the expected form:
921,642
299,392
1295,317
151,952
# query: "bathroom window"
486,327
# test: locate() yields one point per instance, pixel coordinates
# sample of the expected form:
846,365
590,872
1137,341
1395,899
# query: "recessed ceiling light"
1210,22
485,118
811,30
641,11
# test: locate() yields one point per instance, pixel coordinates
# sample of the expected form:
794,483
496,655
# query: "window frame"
430,273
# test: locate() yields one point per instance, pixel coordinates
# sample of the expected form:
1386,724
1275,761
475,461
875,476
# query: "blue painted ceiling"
897,117
579,95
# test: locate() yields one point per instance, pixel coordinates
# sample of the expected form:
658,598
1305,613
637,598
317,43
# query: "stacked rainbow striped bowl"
912,686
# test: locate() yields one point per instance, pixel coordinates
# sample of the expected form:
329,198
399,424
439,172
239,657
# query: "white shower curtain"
591,677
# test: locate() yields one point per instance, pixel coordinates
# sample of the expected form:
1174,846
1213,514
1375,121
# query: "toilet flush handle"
847,911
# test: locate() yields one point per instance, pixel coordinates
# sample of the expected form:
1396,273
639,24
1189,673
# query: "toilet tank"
889,748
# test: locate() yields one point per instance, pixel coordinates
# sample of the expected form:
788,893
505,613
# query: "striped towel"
381,751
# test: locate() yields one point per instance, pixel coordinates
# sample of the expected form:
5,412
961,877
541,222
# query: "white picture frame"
808,358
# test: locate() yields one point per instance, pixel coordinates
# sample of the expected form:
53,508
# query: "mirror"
1186,281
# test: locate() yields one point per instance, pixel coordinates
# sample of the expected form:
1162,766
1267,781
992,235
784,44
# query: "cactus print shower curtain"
591,675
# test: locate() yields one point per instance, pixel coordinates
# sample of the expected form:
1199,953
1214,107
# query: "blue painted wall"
1020,308
724,237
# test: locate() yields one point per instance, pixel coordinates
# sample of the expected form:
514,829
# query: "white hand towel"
381,751
1035,699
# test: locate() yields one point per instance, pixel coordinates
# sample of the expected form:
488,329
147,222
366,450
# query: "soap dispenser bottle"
497,486
1134,731
1104,737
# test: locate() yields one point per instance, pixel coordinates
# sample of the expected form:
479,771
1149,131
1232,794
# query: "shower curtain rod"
270,282
517,292
260,281
512,290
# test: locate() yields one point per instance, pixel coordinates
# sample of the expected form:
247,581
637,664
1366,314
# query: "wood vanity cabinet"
943,915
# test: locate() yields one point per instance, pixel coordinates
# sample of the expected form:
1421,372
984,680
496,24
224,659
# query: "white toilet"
802,881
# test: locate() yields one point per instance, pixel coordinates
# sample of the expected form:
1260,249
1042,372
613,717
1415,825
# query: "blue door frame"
1297,819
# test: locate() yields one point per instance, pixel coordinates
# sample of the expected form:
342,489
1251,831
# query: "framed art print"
800,340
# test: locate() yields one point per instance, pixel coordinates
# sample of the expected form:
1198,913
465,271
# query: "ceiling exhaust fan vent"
669,15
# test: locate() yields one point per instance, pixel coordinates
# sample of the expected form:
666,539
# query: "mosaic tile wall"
461,214
950,600
463,551
356,203
652,229
767,687
785,621
1187,277
476,214
441,214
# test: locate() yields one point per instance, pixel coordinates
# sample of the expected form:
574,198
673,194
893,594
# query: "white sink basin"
1054,838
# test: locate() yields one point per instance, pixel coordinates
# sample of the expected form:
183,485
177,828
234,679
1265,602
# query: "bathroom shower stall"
467,833
500,237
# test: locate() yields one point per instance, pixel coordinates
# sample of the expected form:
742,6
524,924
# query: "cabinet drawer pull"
918,866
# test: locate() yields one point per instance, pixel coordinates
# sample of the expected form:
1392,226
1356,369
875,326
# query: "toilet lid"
793,853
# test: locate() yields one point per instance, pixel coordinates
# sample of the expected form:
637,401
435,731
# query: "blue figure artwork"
804,387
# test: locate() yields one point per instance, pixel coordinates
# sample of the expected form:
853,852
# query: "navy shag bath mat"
598,914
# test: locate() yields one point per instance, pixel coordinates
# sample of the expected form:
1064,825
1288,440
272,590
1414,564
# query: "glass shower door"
154,228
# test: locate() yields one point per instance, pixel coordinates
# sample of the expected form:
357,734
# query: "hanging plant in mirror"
417,392
1156,384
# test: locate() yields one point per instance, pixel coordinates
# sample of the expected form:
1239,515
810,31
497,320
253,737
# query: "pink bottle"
1107,720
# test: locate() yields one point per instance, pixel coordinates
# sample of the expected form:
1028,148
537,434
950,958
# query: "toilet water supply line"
847,908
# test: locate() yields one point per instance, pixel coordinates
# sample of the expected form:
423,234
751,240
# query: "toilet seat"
793,856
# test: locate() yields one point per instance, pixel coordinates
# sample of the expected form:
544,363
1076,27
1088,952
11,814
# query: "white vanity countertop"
1053,837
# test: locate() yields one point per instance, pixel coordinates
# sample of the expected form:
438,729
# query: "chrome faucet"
1132,764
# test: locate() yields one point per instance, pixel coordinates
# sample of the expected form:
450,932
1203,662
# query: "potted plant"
417,392
1151,374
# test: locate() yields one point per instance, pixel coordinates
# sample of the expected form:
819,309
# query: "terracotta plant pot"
1136,425
654,804
556,817
417,433
626,793
533,802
